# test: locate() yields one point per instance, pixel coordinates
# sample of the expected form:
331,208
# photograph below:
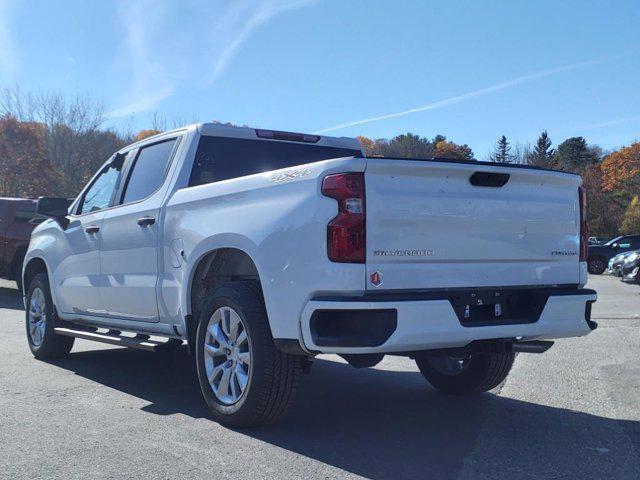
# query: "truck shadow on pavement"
384,424
10,298
390,424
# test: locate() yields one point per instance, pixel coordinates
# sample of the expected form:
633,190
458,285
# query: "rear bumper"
425,322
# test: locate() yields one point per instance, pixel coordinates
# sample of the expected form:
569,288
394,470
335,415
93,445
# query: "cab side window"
98,196
149,170
625,242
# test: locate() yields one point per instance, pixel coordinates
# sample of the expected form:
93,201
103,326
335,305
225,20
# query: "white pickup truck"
262,249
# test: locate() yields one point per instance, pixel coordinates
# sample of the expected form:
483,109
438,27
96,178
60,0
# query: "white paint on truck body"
428,227
456,235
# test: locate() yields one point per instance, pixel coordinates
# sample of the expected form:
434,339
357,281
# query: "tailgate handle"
489,179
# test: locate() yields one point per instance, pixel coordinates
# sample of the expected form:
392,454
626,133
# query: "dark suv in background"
17,219
599,255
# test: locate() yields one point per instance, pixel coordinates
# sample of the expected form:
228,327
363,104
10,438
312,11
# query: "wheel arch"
32,267
213,267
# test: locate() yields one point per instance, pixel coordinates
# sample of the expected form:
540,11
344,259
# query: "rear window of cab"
219,158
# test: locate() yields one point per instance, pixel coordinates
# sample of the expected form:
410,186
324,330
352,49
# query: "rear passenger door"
129,250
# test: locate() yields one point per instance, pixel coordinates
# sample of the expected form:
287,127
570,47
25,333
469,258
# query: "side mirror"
615,246
54,207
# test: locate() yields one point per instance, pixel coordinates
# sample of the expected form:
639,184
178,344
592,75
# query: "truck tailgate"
428,227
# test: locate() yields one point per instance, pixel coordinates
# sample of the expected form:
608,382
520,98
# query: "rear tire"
596,265
245,380
40,318
466,375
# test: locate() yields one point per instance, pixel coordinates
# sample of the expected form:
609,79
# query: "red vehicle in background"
17,219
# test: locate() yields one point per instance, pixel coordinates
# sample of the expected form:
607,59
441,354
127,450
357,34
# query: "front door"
77,277
129,250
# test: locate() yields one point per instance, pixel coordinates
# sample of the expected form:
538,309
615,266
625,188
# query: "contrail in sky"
466,96
610,123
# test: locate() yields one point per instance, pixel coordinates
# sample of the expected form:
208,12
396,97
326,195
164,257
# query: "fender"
194,255
40,255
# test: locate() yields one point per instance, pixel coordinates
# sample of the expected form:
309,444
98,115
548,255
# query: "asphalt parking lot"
107,412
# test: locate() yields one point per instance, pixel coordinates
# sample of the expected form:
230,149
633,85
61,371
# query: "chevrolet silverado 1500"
261,249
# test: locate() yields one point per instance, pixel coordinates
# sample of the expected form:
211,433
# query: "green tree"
542,154
631,220
574,155
408,145
502,151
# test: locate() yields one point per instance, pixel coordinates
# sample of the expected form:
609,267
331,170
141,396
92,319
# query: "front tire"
468,374
40,317
245,380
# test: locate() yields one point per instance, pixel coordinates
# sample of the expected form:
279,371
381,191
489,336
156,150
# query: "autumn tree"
502,151
445,149
631,220
25,170
542,154
75,142
142,134
373,148
605,210
574,155
621,170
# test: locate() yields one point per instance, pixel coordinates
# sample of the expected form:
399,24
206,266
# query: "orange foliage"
446,149
142,134
621,169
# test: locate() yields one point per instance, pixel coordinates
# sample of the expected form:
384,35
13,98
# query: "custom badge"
376,278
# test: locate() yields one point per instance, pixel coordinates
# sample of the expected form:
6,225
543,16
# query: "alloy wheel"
597,265
227,355
37,316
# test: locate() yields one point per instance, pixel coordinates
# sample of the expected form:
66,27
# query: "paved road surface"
107,412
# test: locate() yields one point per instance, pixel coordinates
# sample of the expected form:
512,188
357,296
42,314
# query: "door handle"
146,221
91,229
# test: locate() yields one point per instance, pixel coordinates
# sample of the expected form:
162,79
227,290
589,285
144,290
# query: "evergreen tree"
542,154
574,155
502,151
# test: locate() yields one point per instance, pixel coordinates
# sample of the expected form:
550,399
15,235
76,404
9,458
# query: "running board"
114,337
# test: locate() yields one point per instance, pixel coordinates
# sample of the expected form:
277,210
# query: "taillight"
584,229
346,237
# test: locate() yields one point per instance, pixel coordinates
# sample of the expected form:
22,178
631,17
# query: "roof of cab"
228,131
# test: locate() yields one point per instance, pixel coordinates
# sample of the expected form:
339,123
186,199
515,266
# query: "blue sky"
469,70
